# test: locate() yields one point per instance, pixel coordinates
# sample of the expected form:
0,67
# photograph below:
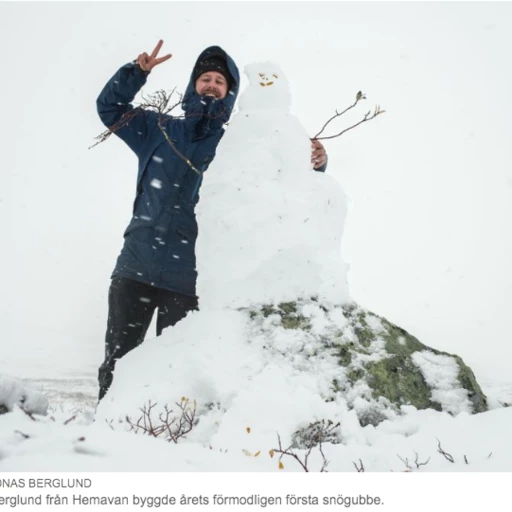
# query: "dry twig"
367,117
303,463
360,468
406,462
416,462
172,427
159,102
29,414
447,456
25,436
325,462
69,420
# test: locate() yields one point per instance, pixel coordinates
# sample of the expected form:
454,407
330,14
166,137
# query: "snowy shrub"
318,432
169,425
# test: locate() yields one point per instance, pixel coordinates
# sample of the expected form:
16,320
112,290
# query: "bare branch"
418,464
368,117
359,96
325,462
173,427
406,462
25,436
186,420
447,456
122,122
360,468
175,149
69,420
303,463
158,102
29,414
322,431
292,454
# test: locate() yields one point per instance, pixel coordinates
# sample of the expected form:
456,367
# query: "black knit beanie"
214,63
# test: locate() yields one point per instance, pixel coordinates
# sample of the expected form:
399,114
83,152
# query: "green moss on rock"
336,386
400,381
377,353
399,341
288,307
343,353
268,310
468,381
290,318
355,374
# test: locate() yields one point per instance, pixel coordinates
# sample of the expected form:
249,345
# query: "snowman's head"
268,88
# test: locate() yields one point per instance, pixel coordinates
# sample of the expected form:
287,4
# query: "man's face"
212,83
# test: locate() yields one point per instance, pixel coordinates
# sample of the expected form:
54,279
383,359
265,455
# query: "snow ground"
55,445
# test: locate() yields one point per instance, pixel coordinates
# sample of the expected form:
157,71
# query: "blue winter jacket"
159,242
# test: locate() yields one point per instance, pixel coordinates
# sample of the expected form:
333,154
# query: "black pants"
130,309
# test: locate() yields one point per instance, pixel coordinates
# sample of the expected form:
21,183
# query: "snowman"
270,227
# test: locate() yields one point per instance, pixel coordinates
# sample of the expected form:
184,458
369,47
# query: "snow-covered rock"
13,393
324,363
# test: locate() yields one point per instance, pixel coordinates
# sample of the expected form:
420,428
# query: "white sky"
429,182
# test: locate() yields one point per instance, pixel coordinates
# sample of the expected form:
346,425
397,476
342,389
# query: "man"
157,265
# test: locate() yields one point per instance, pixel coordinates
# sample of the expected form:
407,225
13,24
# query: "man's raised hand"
148,62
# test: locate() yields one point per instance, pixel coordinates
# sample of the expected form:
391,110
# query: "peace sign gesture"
148,62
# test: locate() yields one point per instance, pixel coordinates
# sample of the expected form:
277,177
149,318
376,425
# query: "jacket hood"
227,104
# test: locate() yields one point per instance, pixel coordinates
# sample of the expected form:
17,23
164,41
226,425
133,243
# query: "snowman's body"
270,226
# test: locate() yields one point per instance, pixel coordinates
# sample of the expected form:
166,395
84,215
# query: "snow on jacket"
159,242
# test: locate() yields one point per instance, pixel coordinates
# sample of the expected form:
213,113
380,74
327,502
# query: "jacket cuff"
139,69
323,167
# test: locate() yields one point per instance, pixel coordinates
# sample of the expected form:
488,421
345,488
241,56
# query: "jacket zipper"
196,188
